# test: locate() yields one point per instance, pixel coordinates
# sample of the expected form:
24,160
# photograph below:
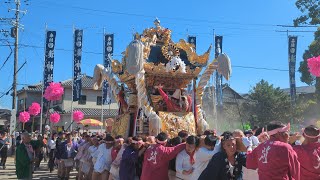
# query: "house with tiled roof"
305,91
89,103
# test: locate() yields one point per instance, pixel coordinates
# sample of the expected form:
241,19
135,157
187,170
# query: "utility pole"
15,34
14,101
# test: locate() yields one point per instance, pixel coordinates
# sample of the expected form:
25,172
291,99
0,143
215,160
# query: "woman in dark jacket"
68,153
227,164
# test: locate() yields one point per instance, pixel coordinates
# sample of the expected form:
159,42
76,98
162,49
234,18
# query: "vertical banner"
108,52
292,50
77,54
217,51
49,59
217,45
193,40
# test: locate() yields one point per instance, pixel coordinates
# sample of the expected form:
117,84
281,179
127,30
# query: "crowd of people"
253,154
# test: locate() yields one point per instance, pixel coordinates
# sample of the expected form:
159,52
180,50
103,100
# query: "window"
21,104
99,100
83,99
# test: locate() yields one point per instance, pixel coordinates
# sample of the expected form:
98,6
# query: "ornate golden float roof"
158,50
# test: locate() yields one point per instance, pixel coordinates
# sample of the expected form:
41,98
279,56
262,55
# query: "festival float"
156,71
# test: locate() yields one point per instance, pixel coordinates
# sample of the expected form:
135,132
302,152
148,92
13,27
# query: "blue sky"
248,26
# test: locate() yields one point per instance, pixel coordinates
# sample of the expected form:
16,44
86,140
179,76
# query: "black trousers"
4,155
51,160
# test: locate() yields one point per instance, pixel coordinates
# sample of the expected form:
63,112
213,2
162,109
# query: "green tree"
310,10
311,16
271,104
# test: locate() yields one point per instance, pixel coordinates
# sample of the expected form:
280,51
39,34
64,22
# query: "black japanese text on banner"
217,45
193,40
49,59
217,51
77,54
108,52
292,51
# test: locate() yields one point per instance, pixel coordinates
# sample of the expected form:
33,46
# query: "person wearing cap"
211,146
309,153
129,161
226,164
176,102
116,155
275,158
24,158
102,166
157,157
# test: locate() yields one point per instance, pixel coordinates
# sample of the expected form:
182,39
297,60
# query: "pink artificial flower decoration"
78,116
314,66
34,109
55,117
24,117
53,92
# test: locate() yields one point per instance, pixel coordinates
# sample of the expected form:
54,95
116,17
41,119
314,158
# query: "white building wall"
90,103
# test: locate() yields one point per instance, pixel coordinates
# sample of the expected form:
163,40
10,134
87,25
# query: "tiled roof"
87,83
95,112
302,90
225,87
31,88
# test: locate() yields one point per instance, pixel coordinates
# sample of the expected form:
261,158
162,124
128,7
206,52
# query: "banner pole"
72,84
102,87
42,88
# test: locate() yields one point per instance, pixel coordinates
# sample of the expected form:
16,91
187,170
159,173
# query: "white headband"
312,137
109,142
137,142
120,139
282,129
161,142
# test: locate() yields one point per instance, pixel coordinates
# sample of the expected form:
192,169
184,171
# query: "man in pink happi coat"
157,157
275,159
309,154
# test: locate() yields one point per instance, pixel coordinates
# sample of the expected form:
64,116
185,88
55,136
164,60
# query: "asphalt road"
42,173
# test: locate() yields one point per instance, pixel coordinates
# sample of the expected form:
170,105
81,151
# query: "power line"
91,52
11,87
162,17
8,57
261,68
295,31
62,49
306,26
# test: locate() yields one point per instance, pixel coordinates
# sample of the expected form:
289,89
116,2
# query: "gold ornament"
169,51
192,56
116,66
